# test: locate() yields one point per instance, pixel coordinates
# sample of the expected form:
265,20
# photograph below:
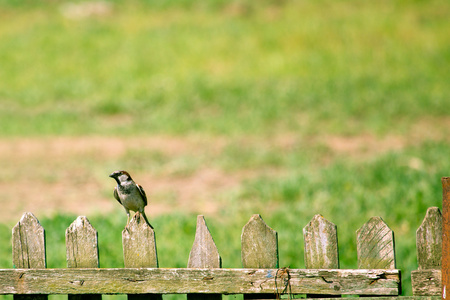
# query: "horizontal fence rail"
260,278
208,281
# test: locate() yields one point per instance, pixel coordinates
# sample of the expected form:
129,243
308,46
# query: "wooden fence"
260,278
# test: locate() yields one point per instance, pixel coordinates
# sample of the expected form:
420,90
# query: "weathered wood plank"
28,247
429,253
204,281
82,250
139,244
429,240
139,249
81,244
28,243
321,245
426,282
259,245
204,254
445,237
391,298
375,245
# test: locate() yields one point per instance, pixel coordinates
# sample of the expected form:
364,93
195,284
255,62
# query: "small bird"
129,194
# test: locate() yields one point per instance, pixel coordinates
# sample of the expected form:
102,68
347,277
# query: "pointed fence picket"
28,239
445,270
260,278
139,250
82,250
321,247
375,245
426,281
204,254
259,250
321,244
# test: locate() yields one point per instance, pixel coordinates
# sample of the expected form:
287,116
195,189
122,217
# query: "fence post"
259,245
139,249
445,236
82,250
426,281
321,247
375,245
28,247
204,254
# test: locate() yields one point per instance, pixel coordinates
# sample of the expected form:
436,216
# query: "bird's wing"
142,192
116,195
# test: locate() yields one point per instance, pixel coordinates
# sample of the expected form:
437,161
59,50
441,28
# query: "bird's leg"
128,217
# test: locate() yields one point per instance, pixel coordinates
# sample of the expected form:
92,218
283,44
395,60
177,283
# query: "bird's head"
120,176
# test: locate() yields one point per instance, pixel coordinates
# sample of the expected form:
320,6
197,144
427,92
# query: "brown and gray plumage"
129,194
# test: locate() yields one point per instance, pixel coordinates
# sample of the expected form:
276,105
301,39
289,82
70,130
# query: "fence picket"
82,250
429,240
425,281
445,237
204,254
81,244
259,245
28,247
143,279
139,250
375,245
321,246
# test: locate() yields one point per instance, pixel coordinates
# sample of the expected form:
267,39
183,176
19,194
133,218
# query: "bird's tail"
146,220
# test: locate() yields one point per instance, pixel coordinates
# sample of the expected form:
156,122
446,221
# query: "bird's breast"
131,199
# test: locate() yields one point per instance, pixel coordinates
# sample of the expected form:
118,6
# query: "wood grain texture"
375,245
429,240
28,246
391,298
82,250
204,254
426,282
28,243
321,244
139,244
259,244
445,237
81,244
139,249
204,281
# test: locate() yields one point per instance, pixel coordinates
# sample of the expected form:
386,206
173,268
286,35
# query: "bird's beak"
112,175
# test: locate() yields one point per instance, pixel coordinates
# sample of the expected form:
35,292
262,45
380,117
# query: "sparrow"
129,194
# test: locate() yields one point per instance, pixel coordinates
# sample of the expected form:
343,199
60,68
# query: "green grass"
232,68
245,73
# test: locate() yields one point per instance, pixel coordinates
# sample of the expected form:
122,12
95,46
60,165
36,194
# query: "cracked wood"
202,281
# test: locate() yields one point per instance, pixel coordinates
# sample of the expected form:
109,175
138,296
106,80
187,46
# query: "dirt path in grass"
70,174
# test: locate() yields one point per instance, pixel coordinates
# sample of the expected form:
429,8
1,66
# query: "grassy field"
227,108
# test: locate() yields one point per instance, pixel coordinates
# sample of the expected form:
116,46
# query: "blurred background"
225,108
